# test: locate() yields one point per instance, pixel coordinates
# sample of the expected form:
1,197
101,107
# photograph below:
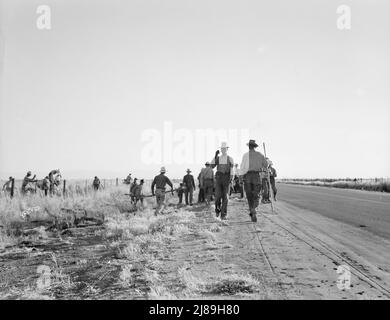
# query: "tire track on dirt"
363,276
251,227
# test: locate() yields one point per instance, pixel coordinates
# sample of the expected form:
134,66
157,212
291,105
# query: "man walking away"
96,183
272,176
132,188
201,195
207,182
180,192
26,181
189,183
138,193
253,162
160,181
223,177
265,185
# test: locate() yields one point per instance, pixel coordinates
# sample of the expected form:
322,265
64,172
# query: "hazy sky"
81,96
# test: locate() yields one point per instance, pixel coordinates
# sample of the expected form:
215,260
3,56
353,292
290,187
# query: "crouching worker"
7,187
160,181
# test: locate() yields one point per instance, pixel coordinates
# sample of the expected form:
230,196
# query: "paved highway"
363,209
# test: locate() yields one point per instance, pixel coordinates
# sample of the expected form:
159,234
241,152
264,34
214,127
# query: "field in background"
374,184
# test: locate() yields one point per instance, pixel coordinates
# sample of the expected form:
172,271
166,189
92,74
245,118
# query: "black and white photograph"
213,151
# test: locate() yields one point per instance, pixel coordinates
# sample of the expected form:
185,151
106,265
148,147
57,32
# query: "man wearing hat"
272,176
206,180
189,183
160,181
223,177
133,185
252,164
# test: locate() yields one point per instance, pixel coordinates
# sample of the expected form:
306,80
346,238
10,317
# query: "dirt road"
293,254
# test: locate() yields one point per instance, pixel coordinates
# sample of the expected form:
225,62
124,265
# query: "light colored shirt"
206,173
253,161
225,164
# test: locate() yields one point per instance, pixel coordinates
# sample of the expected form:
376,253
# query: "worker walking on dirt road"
132,188
189,183
223,177
201,195
139,193
180,191
160,181
272,176
252,164
206,181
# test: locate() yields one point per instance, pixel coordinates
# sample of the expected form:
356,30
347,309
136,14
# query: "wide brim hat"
224,145
162,170
207,163
188,170
252,143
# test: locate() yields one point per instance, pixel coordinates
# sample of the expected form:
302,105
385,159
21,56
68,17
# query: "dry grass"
14,212
215,283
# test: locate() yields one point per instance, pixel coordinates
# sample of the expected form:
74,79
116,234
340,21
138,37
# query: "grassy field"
375,184
97,245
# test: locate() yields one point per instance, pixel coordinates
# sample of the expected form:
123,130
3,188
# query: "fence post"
64,189
104,183
116,182
86,186
12,187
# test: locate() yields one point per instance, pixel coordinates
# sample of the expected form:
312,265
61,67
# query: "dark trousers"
208,186
252,185
222,181
180,197
201,195
51,188
189,195
265,188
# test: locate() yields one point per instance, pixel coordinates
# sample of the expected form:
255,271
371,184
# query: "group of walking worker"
256,176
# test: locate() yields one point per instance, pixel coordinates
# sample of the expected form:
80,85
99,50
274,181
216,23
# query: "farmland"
97,245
